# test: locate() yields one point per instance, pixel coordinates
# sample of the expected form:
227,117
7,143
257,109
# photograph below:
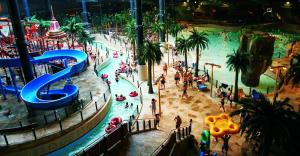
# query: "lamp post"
212,74
277,70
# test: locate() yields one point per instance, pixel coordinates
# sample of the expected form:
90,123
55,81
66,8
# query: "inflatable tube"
104,76
115,56
110,128
116,121
120,98
115,53
133,94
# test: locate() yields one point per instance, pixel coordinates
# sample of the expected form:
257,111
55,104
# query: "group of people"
187,79
221,93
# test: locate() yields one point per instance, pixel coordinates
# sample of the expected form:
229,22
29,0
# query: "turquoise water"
223,42
117,110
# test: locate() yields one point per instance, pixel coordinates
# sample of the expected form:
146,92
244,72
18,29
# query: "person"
178,121
165,68
162,81
184,91
190,79
157,119
131,104
229,97
126,105
218,92
225,145
177,77
222,103
117,79
153,106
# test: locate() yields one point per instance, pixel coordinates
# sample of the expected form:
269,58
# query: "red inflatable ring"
110,128
116,121
115,56
120,98
133,94
104,76
115,53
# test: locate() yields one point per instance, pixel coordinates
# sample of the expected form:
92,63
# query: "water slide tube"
32,93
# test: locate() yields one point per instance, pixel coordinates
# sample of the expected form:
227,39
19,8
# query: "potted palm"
85,38
238,61
151,54
73,28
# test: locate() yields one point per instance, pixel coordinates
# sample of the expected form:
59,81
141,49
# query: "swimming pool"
223,42
117,110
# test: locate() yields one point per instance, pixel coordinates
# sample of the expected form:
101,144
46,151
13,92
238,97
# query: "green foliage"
150,52
72,26
129,31
293,73
182,45
84,37
268,123
174,29
238,61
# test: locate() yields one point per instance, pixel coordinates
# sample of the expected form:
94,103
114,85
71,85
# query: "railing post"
155,122
137,125
178,131
5,138
33,132
137,108
81,103
60,125
96,105
132,78
183,135
149,123
91,95
190,127
66,112
55,115
130,124
144,125
21,125
187,131
250,91
81,115
104,97
216,83
45,118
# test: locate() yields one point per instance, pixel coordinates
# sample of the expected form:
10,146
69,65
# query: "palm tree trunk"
197,62
73,45
186,61
85,50
236,87
150,91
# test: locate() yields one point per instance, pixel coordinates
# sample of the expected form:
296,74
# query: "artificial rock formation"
260,47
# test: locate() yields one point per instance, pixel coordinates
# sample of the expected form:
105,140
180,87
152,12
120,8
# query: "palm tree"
293,73
199,41
238,61
269,124
156,28
86,38
151,54
175,29
44,26
129,31
73,28
183,47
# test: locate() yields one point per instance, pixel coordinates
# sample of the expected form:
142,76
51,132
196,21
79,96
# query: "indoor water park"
149,77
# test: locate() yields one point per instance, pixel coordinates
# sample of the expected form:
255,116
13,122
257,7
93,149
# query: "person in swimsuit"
184,91
177,78
190,79
165,68
163,81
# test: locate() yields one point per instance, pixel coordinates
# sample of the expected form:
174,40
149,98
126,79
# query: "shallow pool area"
223,42
117,110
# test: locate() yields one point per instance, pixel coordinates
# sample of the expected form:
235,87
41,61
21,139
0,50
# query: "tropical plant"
268,124
150,53
73,28
238,61
85,38
156,28
183,47
293,73
199,41
174,30
130,33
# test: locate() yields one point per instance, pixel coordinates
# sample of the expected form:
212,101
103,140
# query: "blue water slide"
34,96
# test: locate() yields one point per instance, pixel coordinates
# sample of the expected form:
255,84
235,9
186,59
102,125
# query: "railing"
169,143
57,125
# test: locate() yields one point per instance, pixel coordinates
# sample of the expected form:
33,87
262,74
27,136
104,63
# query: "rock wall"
260,47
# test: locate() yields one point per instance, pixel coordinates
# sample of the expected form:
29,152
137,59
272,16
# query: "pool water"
223,43
117,110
